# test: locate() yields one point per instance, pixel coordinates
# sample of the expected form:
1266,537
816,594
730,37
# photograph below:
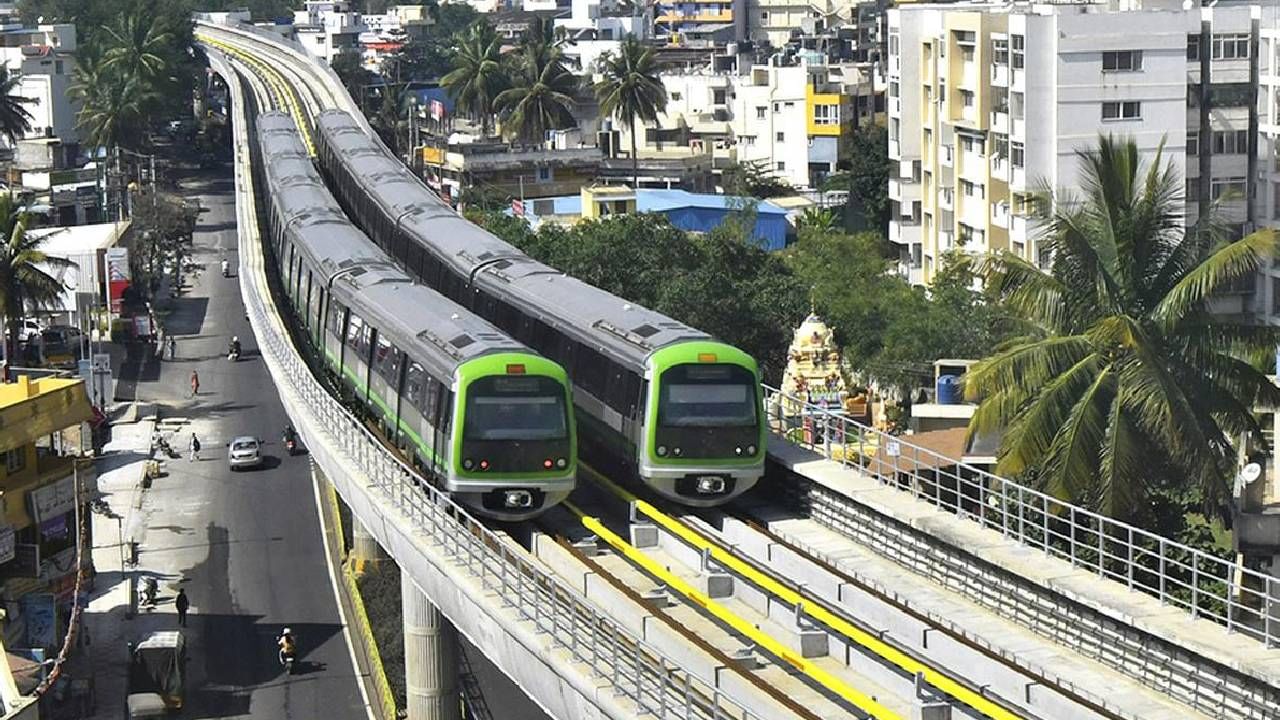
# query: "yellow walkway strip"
810,669
286,92
814,610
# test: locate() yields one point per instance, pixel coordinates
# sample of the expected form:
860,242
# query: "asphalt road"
247,546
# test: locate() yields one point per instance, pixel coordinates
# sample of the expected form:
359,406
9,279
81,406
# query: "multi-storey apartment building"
1267,198
989,103
44,60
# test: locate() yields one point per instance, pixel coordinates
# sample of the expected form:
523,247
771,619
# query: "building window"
777,107
676,96
782,166
966,234
748,140
1000,146
1234,46
966,98
1193,190
1275,199
1231,188
826,114
15,460
1193,143
57,67
1016,105
971,189
1017,154
893,88
1000,99
1230,142
1000,51
1017,56
1193,47
1116,110
893,44
764,17
942,91
780,137
545,174
972,144
717,96
1122,61
762,111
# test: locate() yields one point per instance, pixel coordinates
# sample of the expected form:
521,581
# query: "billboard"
117,276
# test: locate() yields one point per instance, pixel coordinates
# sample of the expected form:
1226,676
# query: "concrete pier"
365,551
430,658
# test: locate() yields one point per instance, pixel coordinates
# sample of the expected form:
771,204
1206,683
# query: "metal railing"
610,653
1206,586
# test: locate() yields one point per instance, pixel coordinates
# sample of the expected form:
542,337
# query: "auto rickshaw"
157,668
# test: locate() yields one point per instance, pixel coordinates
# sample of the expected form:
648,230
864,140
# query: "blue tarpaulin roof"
693,212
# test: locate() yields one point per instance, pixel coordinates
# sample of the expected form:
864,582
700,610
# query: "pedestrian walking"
195,447
195,383
172,344
182,604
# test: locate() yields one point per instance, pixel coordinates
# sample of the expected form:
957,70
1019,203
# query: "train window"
616,390
590,370
385,358
564,352
336,314
431,400
414,381
320,297
541,339
355,334
446,404
634,400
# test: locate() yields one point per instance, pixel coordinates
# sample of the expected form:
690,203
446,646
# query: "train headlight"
711,484
484,464
561,462
547,463
468,464
677,452
662,451
751,449
737,450
518,499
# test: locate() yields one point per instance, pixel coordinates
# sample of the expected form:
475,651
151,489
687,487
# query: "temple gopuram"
816,375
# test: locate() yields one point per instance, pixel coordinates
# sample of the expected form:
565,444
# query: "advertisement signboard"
41,616
53,500
8,544
117,276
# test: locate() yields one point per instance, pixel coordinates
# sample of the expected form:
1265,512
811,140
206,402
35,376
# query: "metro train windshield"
710,395
515,408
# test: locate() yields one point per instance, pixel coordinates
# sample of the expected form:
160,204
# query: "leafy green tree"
719,283
15,120
819,219
349,67
25,283
541,94
630,89
163,228
866,174
1124,383
479,75
854,286
948,320
751,178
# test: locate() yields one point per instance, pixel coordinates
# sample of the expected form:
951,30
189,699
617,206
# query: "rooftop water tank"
948,390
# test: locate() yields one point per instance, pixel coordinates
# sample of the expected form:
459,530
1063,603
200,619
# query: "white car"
28,330
244,452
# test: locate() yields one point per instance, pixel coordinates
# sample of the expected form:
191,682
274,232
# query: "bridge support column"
430,657
366,553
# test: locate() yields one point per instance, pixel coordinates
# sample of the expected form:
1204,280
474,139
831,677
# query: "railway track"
724,569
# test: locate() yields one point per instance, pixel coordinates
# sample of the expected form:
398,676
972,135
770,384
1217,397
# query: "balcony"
947,157
1000,121
1000,75
946,240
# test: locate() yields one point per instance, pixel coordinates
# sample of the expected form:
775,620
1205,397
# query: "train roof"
595,317
432,329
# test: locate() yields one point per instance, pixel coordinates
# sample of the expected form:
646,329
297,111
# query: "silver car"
244,452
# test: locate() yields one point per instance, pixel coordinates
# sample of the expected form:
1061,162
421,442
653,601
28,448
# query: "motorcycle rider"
290,437
226,268
288,646
233,351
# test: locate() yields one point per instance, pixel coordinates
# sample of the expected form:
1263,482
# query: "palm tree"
1124,381
478,76
112,104
541,94
136,47
15,121
818,219
631,90
25,282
